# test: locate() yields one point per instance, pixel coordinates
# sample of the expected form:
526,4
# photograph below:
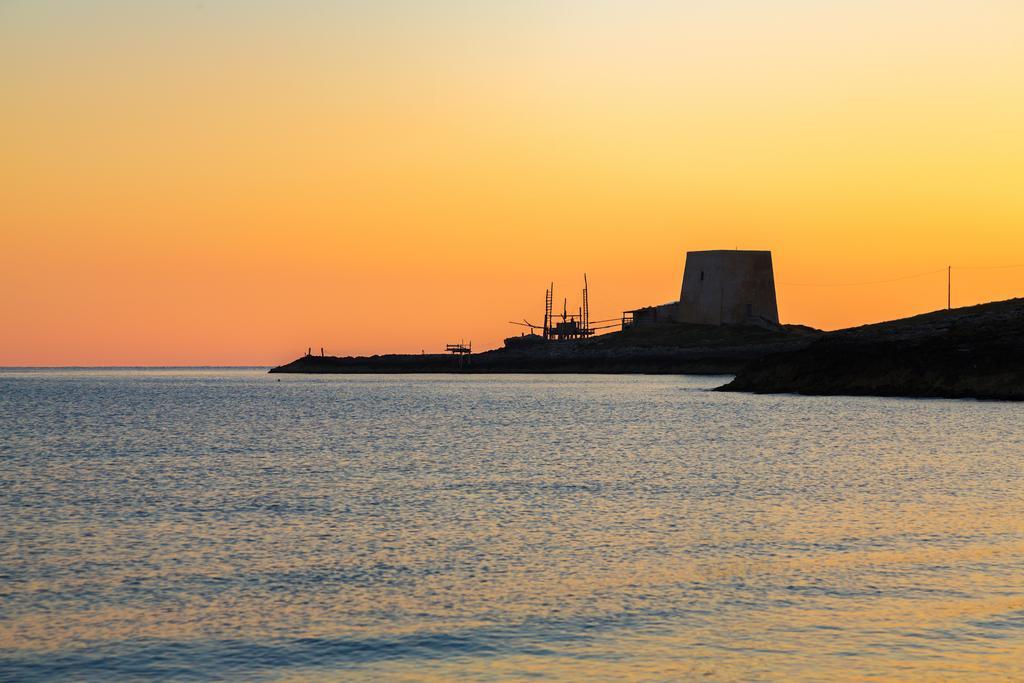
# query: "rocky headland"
974,352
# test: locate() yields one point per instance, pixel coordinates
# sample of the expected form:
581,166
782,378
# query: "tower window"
702,276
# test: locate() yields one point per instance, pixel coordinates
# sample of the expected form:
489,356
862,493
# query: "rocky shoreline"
671,349
974,352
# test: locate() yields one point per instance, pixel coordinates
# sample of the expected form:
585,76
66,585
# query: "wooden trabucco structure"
460,349
567,326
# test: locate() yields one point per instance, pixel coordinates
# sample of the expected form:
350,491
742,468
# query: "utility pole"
949,288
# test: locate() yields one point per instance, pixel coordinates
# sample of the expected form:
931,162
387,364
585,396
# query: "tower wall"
728,288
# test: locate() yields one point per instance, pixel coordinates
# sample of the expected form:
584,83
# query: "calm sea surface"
209,524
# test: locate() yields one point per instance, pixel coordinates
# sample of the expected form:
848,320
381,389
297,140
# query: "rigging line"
858,284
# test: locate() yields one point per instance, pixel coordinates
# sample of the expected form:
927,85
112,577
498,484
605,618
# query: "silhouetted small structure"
462,351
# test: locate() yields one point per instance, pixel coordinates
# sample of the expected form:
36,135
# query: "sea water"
220,524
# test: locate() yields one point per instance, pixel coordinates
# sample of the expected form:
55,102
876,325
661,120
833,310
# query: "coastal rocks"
975,352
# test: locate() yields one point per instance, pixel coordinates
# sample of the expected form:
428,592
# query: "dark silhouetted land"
669,349
975,352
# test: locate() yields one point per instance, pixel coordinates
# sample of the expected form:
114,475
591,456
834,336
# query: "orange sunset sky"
230,182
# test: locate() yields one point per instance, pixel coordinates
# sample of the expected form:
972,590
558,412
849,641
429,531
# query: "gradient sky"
231,182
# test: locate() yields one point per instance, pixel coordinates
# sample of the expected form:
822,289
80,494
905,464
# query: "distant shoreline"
973,352
658,350
25,368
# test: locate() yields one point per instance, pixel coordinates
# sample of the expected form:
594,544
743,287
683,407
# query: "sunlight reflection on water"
210,524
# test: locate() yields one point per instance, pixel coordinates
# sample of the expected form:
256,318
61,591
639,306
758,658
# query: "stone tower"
725,287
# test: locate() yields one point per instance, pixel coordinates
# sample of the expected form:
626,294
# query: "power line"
858,284
896,279
949,279
1019,265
